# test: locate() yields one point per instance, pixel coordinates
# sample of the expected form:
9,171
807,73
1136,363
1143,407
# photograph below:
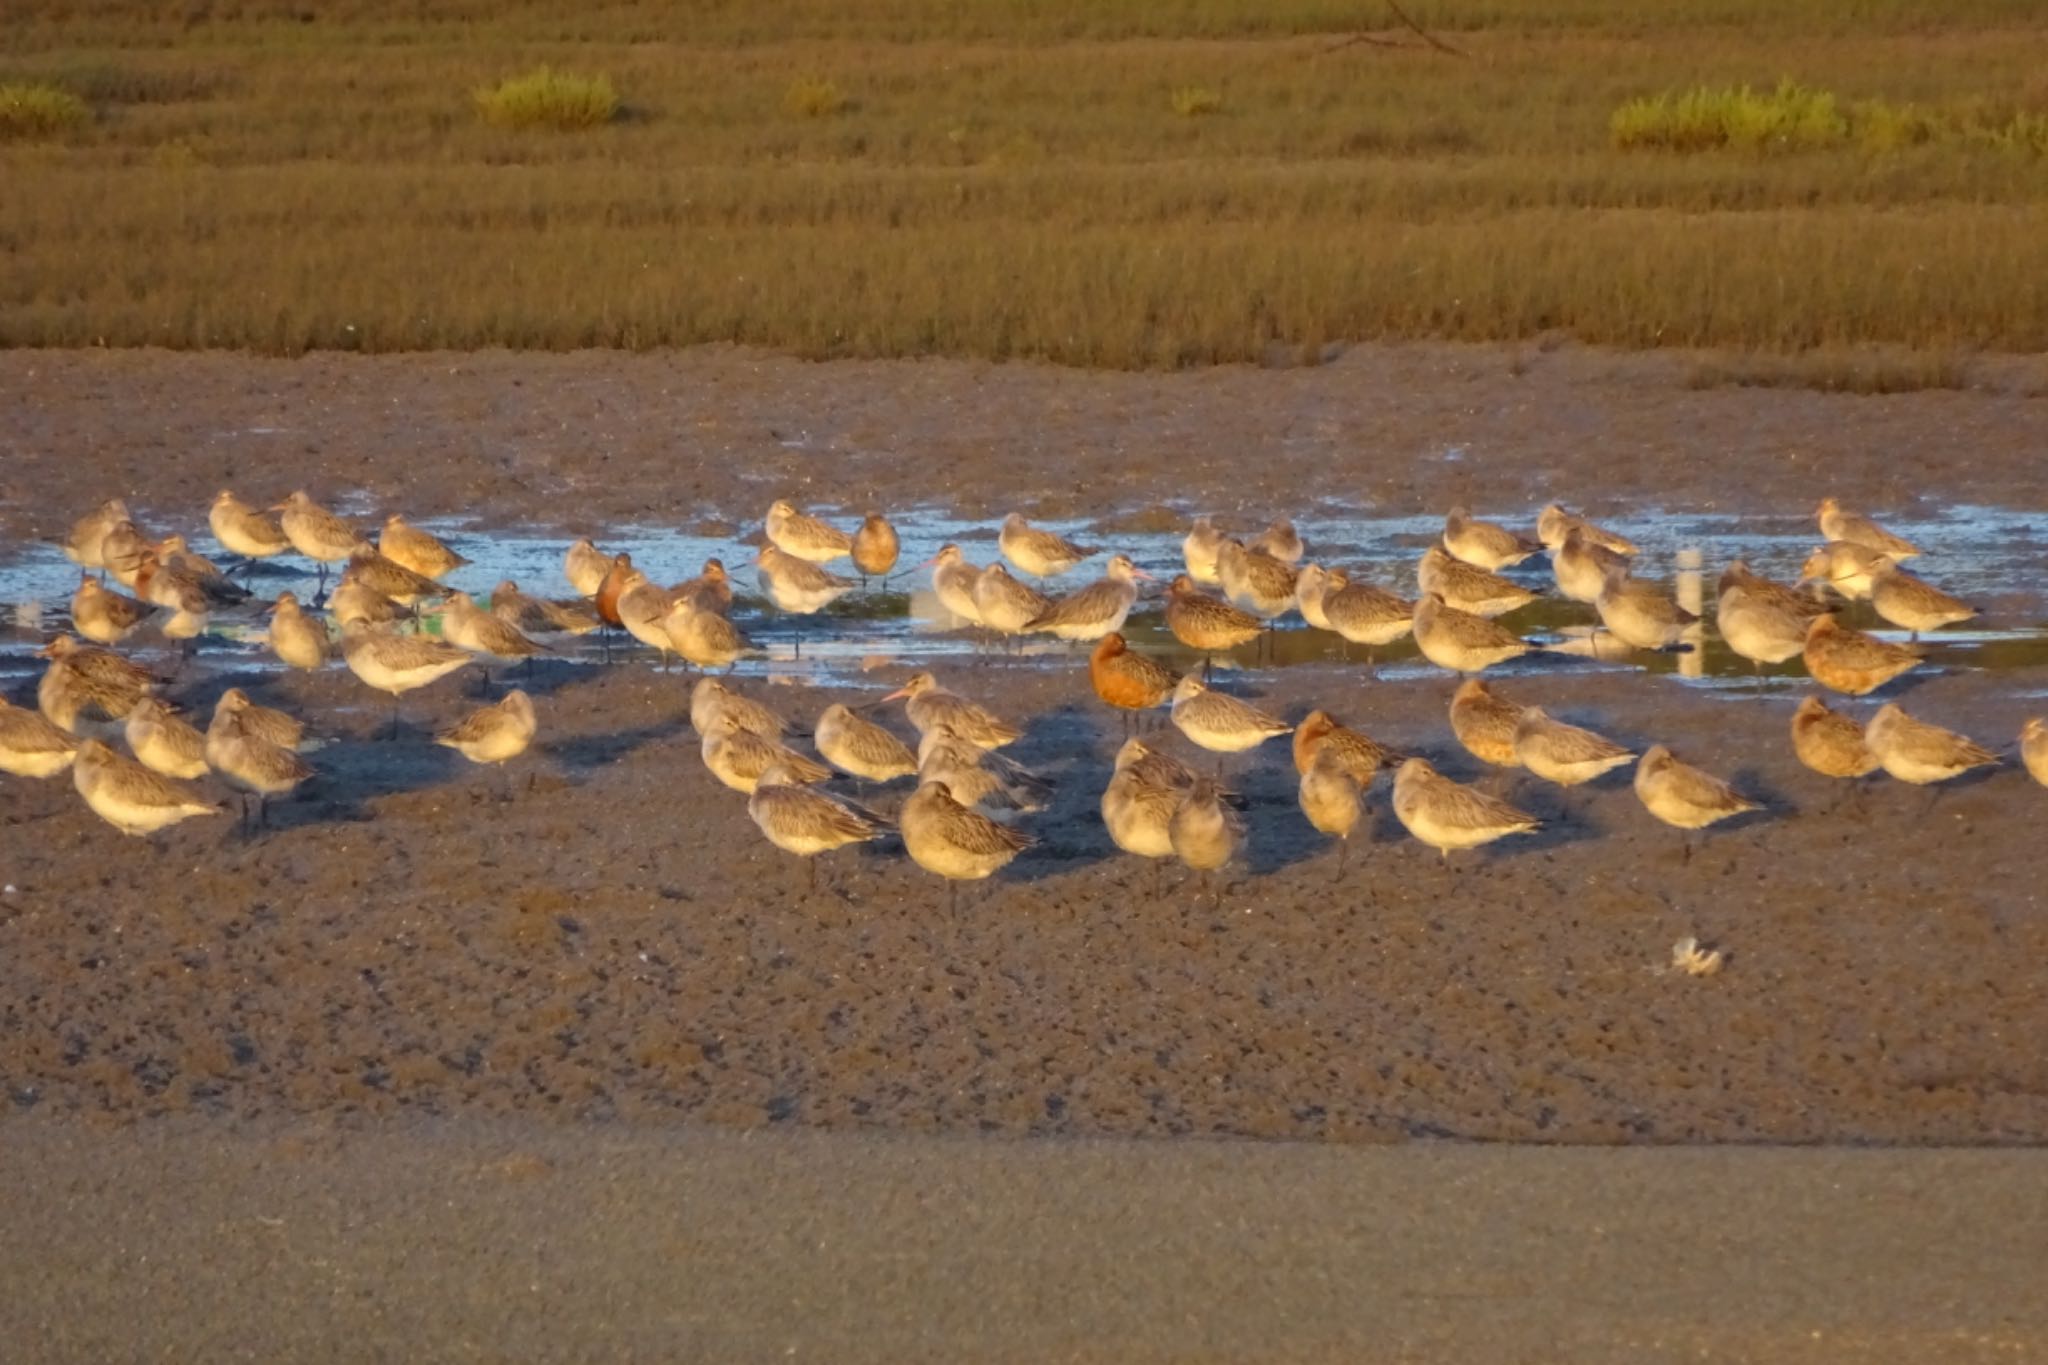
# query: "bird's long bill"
924,564
899,692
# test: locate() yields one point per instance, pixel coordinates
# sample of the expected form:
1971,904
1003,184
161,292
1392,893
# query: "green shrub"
1192,101
39,111
1789,118
547,98
813,97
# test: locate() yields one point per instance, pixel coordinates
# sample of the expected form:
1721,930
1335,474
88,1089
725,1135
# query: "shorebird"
89,532
710,699
1914,751
1445,815
798,586
523,611
252,765
1159,768
1640,614
1006,606
876,549
355,604
1204,831
953,580
1137,809
468,626
164,742
1485,723
1467,587
1912,603
283,730
807,823
619,574
298,640
1684,796
1361,755
1332,799
585,566
220,590
2034,748
1281,541
89,687
956,842
129,796
1829,742
1256,581
1127,680
30,746
102,615
710,590
1204,623
1460,641
1483,544
1201,548
1760,620
805,537
496,734
1838,523
123,550
737,757
1219,722
1365,614
1581,566
388,578
397,664
179,595
929,704
1848,568
1042,554
1845,660
423,552
1554,526
704,638
1312,584
641,606
857,746
1097,610
1561,753
317,533
977,776
244,530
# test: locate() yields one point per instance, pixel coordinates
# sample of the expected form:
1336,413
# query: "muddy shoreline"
616,943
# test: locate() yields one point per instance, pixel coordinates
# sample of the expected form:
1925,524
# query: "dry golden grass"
1012,178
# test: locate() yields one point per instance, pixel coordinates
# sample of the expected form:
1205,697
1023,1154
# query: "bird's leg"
1685,858
814,874
1343,847
262,810
952,897
1158,877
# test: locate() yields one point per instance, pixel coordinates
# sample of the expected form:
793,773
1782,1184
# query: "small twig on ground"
1373,40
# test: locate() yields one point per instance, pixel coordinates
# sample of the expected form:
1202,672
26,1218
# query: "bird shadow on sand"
584,754
349,775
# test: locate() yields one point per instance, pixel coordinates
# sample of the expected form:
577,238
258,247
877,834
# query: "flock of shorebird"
960,820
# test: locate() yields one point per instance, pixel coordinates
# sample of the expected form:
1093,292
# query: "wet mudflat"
616,941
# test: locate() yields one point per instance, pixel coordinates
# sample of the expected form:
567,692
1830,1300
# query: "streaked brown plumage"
977,776
1484,544
123,550
86,686
220,590
1366,614
1445,815
1005,605
1565,754
1829,742
799,586
1838,523
1042,554
317,533
1912,603
1220,722
957,843
1281,541
585,566
30,745
243,530
493,734
1205,832
807,823
2034,748
298,640
468,626
856,745
129,796
103,615
929,704
83,545
710,590
1460,641
1849,569
704,638
711,698
251,764
1333,799
1914,751
1257,581
1201,548
388,578
1580,567
354,603
737,757
164,742
953,580
1684,796
1641,614
264,722
1205,623
1361,754
1096,610
803,536
1137,810
396,663
1468,587
1845,660
524,611
1554,524
1485,722
423,552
